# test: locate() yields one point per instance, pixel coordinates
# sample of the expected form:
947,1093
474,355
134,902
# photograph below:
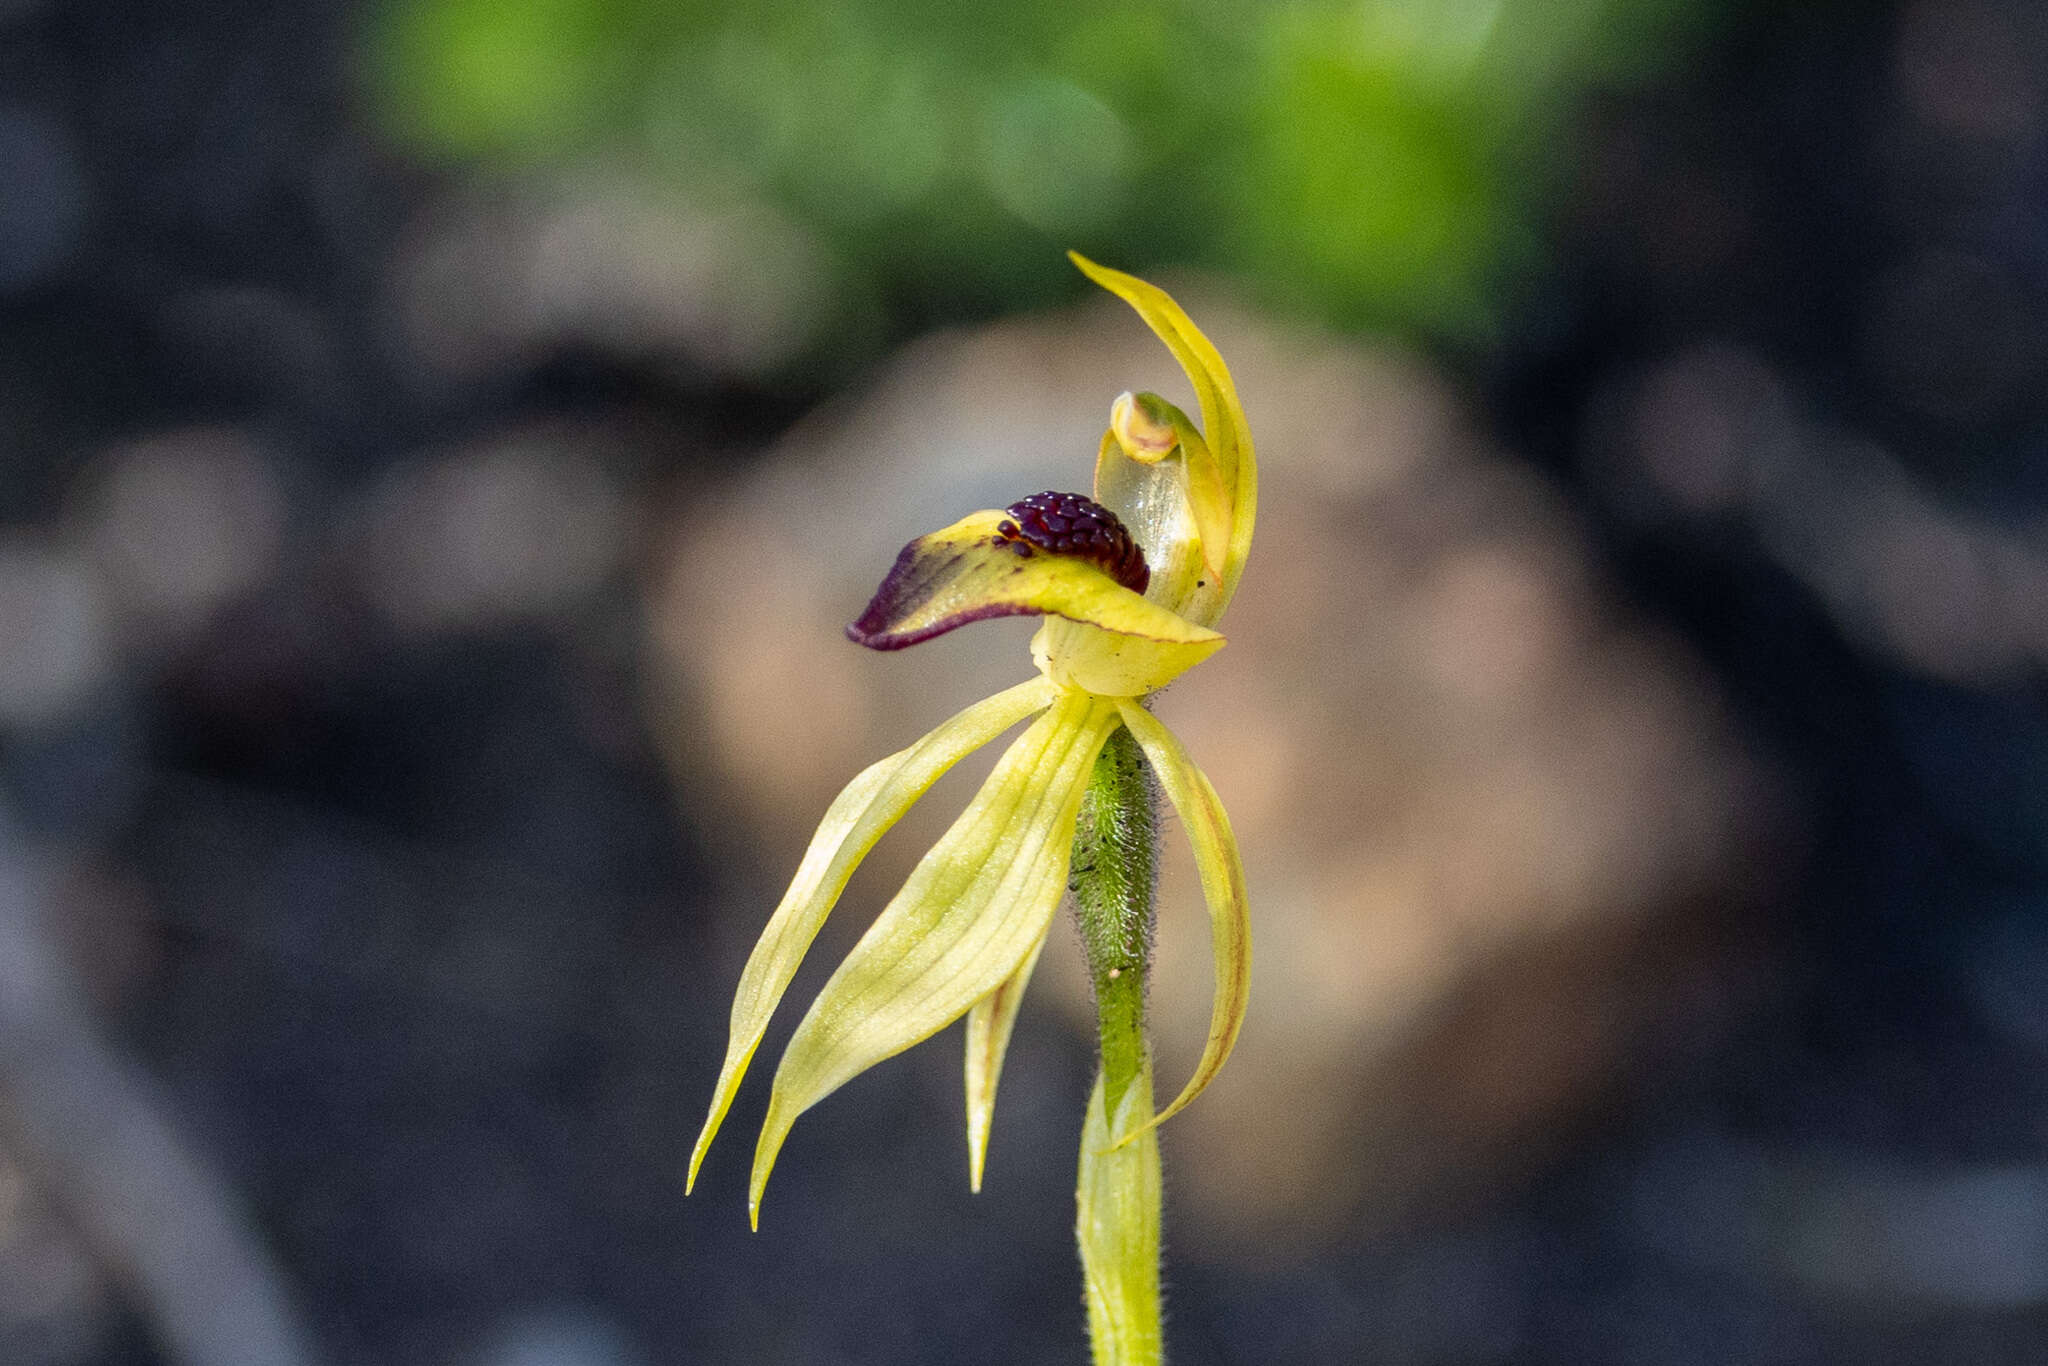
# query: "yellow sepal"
976,906
1222,876
989,1026
859,816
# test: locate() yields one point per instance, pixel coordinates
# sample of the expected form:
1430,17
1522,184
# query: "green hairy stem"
1115,872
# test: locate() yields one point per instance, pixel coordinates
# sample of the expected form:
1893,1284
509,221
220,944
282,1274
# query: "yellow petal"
969,571
971,912
869,805
1116,1223
1222,874
989,1026
1223,424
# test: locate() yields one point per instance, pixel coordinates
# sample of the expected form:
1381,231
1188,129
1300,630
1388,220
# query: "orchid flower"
1131,584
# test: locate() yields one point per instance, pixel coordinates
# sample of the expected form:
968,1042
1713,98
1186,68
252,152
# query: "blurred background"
443,439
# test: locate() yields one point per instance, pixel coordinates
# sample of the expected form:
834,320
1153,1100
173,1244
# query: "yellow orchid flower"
1131,583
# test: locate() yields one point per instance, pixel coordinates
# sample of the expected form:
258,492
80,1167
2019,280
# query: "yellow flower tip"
721,1101
984,1066
1143,426
989,1026
774,1131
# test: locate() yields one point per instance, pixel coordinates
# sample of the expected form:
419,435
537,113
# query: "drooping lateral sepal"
982,566
989,1026
857,818
1221,872
975,907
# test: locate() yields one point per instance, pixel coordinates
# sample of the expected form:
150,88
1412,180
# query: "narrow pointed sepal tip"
977,1147
774,1133
697,1154
989,1026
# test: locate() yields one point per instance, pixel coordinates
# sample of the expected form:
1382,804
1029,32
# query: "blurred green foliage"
1366,162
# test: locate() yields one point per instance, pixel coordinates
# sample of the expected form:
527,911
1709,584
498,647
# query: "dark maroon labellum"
1068,524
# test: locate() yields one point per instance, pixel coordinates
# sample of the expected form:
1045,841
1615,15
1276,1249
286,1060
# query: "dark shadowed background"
441,440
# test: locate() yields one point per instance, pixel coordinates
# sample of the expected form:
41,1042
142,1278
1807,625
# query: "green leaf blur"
1384,163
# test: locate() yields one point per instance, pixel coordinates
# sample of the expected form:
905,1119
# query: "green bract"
965,931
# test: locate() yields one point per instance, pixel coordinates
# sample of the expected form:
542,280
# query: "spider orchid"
1131,584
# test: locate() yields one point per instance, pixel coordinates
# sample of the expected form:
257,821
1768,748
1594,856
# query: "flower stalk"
1117,1196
